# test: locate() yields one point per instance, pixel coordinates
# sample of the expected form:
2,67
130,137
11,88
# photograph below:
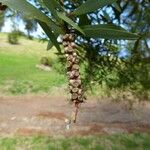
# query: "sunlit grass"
25,47
136,141
18,72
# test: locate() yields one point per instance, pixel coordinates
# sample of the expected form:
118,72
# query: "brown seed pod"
66,37
71,75
75,67
72,44
70,58
71,38
66,55
73,59
75,83
80,98
76,73
70,88
72,82
78,81
68,49
80,91
76,60
74,54
74,96
74,90
65,43
69,64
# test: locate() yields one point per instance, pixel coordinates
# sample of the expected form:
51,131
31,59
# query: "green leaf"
51,5
50,34
116,5
83,20
108,31
49,45
31,12
55,3
92,5
106,16
70,22
145,35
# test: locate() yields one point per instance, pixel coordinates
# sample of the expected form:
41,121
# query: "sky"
20,25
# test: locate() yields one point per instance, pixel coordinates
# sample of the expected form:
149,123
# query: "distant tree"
2,15
1,20
30,26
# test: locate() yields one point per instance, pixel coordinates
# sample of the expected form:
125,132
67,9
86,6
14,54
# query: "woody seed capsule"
74,54
73,45
73,68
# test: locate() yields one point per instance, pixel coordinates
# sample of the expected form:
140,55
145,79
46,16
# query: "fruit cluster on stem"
75,84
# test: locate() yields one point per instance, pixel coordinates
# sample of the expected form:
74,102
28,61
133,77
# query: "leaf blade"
91,5
51,6
107,31
49,45
50,34
70,22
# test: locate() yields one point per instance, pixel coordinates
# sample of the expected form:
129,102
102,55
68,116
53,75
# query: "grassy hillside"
18,72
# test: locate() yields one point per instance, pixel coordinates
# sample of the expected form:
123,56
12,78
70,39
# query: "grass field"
18,74
134,141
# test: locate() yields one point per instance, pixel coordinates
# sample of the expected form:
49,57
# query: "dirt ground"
45,115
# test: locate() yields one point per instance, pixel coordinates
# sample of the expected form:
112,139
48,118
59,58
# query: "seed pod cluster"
75,85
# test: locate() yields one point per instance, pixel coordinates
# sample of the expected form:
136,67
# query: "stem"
76,112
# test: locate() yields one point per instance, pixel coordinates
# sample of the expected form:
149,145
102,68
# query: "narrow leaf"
107,31
49,45
83,20
117,7
51,5
106,16
92,5
50,34
70,22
